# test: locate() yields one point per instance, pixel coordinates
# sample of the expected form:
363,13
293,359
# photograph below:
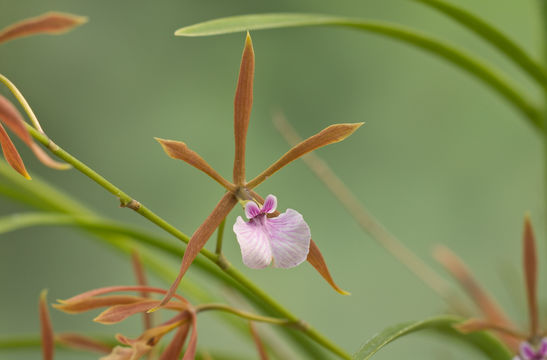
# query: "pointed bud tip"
43,295
76,20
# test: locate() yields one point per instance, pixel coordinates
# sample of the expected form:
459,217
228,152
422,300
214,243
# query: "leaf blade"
485,343
461,59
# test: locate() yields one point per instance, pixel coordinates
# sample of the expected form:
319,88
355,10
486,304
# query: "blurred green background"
440,159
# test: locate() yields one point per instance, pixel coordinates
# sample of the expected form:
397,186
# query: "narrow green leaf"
461,59
493,36
485,343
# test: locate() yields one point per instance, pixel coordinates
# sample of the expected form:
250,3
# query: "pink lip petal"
289,238
255,246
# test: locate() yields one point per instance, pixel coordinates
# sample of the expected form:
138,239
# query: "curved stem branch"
244,314
220,237
23,102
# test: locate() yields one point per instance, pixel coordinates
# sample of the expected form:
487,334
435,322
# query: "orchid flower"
285,239
242,190
49,23
529,345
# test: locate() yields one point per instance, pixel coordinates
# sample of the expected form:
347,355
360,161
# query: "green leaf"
493,36
485,343
461,59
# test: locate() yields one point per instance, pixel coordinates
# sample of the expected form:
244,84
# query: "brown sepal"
11,154
140,274
46,329
473,325
81,342
482,299
243,104
173,350
11,117
48,23
529,262
179,150
332,134
91,303
262,353
190,353
198,240
118,313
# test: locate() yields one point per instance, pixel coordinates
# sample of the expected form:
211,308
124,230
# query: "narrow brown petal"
190,353
48,23
144,343
243,103
530,273
46,329
482,299
77,341
179,150
173,350
10,116
199,238
140,274
111,289
11,154
258,342
315,258
91,303
332,134
118,313
473,325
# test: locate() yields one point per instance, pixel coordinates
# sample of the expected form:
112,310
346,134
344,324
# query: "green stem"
128,201
22,101
244,314
220,236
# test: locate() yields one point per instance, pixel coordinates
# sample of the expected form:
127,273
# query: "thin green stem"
493,36
220,236
245,315
128,201
22,101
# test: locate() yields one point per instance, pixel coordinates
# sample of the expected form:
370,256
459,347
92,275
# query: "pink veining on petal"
527,351
252,210
270,204
290,239
256,251
284,239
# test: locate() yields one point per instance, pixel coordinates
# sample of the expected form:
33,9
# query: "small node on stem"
222,262
131,204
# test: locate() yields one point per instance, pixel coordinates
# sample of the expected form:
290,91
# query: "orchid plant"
267,237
